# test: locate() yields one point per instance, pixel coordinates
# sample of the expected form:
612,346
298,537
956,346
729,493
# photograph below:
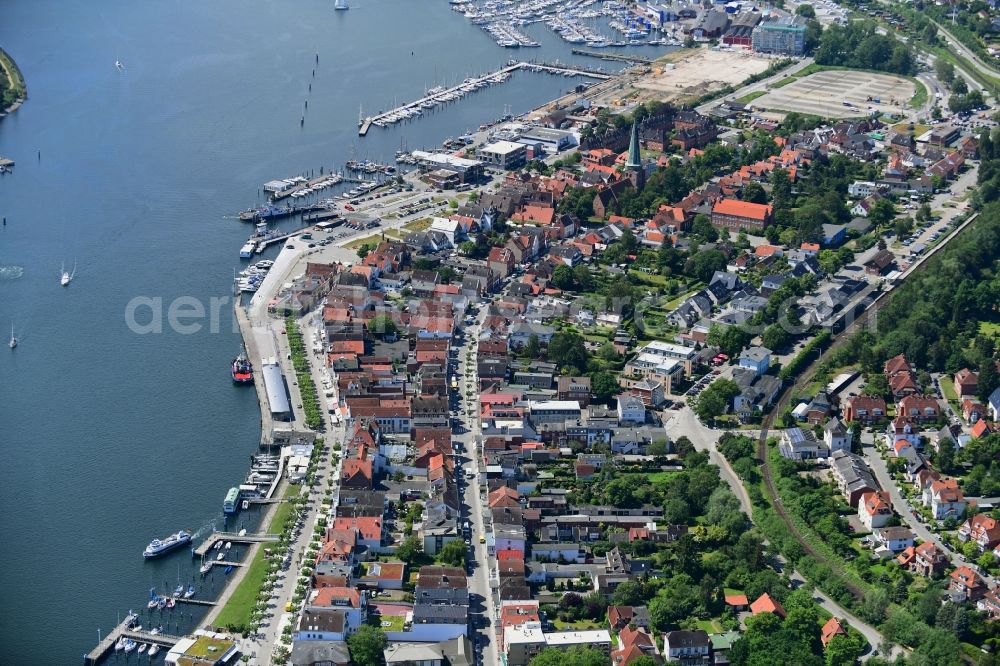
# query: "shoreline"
15,81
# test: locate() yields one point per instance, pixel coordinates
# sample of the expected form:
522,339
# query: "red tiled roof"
738,208
766,604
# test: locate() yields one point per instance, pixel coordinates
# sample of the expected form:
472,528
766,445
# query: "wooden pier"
107,643
512,66
215,537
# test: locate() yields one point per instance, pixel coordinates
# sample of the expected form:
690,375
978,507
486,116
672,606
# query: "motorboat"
66,277
13,338
220,557
229,544
120,645
129,645
205,568
218,545
153,649
142,648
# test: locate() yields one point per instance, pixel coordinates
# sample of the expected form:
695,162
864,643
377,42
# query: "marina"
440,95
216,537
299,186
125,631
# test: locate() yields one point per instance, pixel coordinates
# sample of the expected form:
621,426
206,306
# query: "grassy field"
905,127
358,242
749,97
919,95
418,225
710,626
237,610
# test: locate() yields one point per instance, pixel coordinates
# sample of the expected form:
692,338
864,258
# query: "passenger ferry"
158,547
232,497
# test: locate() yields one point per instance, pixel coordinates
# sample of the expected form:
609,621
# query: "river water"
110,437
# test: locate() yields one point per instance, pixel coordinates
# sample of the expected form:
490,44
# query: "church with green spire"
634,171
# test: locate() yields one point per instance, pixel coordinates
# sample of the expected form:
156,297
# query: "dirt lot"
700,72
825,93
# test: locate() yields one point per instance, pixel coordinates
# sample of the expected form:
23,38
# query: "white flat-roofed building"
504,154
596,639
652,367
278,186
523,642
551,140
684,355
553,411
469,170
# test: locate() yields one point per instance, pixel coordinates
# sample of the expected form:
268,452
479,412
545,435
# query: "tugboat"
242,371
158,547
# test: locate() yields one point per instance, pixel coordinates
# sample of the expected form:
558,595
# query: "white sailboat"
119,66
66,277
13,338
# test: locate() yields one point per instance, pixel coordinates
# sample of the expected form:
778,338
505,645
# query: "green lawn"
710,626
388,622
948,389
237,610
206,646
418,225
920,94
579,625
990,328
358,242
749,97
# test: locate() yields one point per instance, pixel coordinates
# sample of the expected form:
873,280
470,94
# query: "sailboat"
67,277
13,338
119,66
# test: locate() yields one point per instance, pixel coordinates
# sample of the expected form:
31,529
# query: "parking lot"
839,94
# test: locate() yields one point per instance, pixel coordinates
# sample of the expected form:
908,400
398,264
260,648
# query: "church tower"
633,166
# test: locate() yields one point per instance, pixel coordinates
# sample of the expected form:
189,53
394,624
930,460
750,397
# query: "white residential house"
757,359
874,510
896,538
836,436
686,646
944,498
450,228
630,409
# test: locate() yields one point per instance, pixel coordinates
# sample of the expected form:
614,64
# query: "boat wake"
11,272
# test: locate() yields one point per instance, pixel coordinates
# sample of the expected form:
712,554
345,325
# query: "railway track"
840,339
